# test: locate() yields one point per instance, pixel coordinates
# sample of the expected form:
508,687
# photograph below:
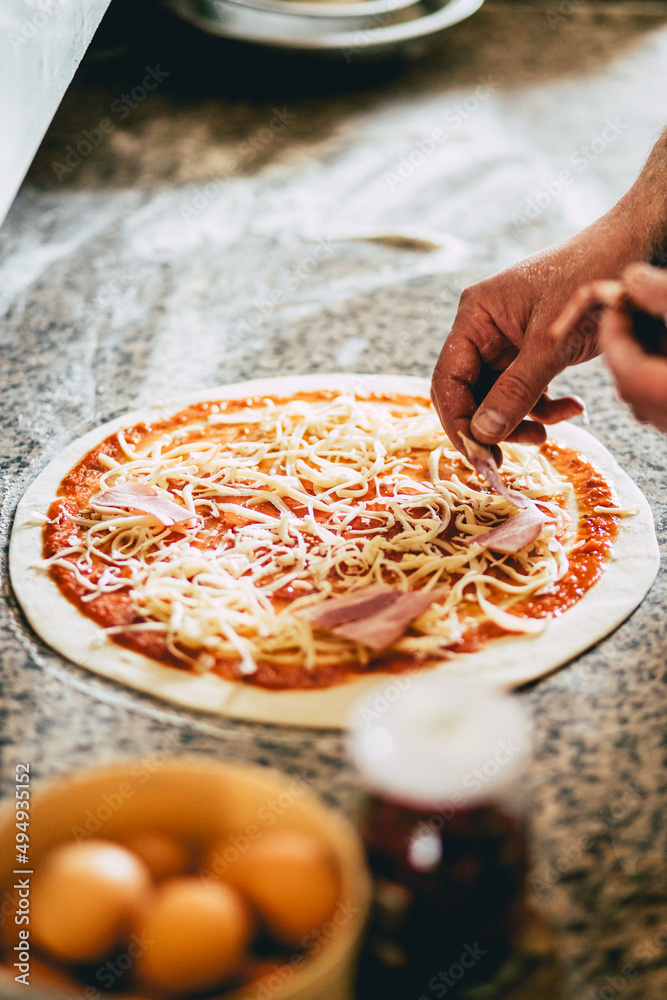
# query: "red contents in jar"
449,897
445,836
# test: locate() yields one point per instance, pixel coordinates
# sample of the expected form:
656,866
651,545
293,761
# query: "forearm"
502,332
642,212
635,229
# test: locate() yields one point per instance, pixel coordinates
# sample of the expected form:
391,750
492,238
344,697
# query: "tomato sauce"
594,541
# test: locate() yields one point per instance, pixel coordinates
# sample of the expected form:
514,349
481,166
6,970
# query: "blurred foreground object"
209,930
43,45
445,833
352,31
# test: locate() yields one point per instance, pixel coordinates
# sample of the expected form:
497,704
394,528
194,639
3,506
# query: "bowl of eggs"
191,879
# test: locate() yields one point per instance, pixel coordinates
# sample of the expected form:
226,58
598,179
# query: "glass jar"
445,833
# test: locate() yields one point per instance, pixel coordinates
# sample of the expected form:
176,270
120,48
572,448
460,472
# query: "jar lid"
436,741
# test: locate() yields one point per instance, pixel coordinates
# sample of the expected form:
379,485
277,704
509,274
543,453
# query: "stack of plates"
352,30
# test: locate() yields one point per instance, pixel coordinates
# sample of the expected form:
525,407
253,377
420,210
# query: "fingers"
528,432
458,375
456,372
497,453
552,411
519,390
640,378
545,411
647,287
467,365
590,296
621,311
486,381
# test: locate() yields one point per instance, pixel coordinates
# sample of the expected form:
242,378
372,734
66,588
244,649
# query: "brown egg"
291,878
85,896
163,854
199,932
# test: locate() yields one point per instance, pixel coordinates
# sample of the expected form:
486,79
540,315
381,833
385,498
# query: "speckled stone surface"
198,243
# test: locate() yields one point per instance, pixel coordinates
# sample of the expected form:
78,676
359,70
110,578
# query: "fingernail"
490,423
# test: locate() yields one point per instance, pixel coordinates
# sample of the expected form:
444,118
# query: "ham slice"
137,496
359,604
516,533
373,616
382,629
482,460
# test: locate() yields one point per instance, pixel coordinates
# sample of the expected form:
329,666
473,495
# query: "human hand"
632,334
496,364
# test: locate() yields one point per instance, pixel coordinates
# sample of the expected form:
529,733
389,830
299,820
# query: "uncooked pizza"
270,549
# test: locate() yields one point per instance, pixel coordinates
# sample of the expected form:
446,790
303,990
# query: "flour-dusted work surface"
186,223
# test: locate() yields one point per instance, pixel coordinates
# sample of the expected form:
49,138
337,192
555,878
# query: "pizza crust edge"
507,662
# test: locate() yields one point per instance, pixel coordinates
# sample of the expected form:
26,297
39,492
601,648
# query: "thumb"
647,287
514,394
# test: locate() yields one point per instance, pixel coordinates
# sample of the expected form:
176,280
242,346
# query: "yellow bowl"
198,800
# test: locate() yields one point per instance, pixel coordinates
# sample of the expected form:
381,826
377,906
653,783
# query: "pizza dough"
509,661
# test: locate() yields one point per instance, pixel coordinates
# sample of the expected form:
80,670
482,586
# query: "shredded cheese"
631,511
295,501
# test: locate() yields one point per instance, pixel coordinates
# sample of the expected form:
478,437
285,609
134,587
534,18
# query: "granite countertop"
197,241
